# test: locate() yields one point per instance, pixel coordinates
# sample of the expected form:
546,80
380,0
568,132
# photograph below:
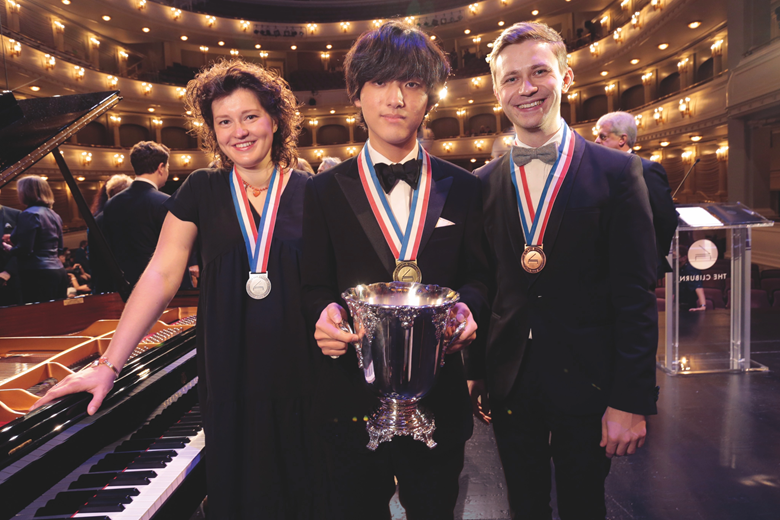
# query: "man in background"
133,219
617,130
10,293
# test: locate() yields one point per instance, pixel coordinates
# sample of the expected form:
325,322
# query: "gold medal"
407,271
533,259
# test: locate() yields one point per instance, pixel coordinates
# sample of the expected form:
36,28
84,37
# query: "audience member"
101,278
304,165
10,289
114,185
80,255
37,241
133,219
328,163
617,130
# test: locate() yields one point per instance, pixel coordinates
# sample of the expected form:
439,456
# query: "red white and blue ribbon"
534,221
404,245
258,243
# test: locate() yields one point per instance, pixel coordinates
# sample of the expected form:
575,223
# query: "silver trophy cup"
401,351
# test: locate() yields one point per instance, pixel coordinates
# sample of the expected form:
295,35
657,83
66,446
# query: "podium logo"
702,254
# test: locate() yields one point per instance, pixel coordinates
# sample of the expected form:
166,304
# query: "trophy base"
400,417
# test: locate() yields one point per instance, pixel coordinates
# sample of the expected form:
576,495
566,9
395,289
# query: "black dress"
254,361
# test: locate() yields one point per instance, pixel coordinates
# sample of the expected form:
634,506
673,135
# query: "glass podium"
711,265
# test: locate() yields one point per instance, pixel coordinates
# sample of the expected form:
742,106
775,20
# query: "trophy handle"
455,337
346,328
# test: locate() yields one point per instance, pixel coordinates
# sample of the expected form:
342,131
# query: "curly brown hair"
225,77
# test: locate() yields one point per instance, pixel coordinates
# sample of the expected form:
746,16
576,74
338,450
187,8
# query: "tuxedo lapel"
440,187
349,182
508,199
561,201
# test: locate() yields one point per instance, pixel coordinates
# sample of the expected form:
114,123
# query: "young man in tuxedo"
568,372
394,74
617,130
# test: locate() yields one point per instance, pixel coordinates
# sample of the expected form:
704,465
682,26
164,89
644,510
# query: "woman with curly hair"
253,357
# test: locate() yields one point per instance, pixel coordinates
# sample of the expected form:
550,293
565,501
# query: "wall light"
664,144
244,25
646,78
497,108
636,20
476,82
461,112
204,49
175,13
696,138
59,26
14,7
86,159
377,23
618,35
186,160
637,147
119,159
594,49
157,122
657,4
685,107
211,20
234,52
350,120
313,122
409,20
479,145
49,61
181,92
140,5
610,89
507,140
318,154
78,72
658,115
115,119
656,157
722,153
717,48
123,55
147,88
345,27
638,120
473,9
624,5
447,147
351,151
682,65
312,28
688,156
15,49
112,81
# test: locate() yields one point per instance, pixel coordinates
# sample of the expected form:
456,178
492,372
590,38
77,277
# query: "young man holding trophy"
392,213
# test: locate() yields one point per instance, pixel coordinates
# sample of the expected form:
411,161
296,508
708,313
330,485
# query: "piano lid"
47,123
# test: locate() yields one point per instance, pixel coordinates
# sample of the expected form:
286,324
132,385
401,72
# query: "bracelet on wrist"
104,361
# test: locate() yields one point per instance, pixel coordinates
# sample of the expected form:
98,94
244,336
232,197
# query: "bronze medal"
407,271
533,259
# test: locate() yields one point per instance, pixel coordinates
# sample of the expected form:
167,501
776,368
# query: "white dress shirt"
400,197
536,173
146,180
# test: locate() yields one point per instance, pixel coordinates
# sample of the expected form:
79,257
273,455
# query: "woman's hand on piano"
98,381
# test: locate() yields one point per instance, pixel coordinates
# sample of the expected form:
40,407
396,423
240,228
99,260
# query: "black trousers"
43,285
530,431
361,483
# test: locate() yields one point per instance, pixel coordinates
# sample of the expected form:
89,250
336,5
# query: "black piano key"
133,478
169,443
120,461
179,432
148,464
100,480
102,508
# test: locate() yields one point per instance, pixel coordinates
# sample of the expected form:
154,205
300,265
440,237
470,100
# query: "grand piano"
141,455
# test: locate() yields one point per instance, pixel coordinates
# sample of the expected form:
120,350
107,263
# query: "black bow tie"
390,174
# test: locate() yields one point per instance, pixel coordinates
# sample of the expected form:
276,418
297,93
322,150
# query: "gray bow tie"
547,153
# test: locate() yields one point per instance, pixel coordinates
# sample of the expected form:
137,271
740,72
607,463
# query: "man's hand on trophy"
331,339
460,314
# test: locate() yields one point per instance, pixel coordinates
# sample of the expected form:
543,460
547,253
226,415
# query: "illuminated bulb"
35,88
604,72
106,18
329,46
146,29
501,23
293,47
535,12
664,143
634,61
467,31
696,138
221,43
695,24
258,46
184,38
663,46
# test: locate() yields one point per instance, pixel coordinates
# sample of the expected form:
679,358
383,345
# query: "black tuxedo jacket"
132,221
592,309
664,214
344,247
8,219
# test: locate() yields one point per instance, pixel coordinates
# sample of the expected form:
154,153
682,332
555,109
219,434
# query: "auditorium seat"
660,292
770,285
770,273
716,296
661,304
758,299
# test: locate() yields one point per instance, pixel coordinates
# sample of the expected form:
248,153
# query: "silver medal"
258,286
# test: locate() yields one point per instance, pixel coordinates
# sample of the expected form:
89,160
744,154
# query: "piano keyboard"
133,477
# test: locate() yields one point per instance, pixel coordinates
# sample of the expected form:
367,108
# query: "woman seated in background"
254,362
37,242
